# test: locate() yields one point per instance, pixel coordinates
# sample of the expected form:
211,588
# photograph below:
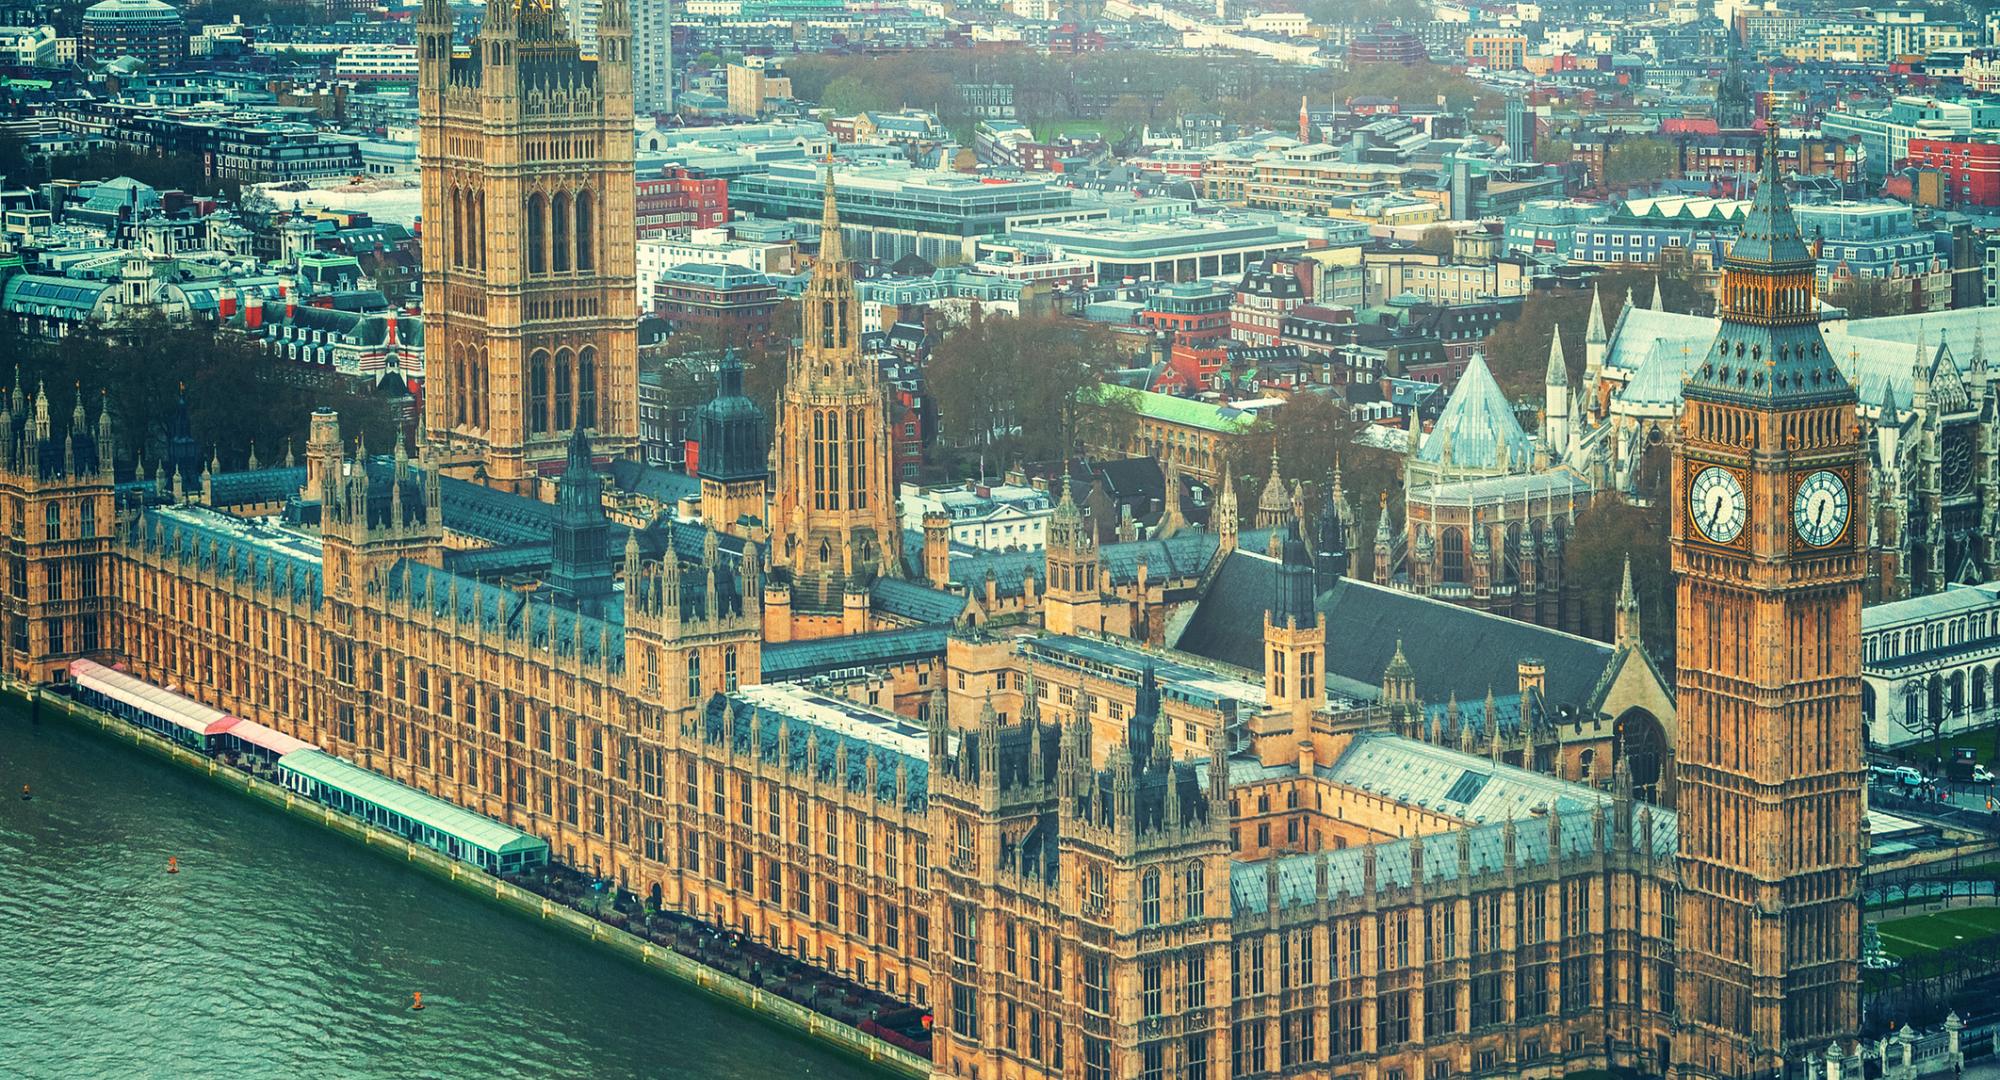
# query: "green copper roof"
1172,410
432,813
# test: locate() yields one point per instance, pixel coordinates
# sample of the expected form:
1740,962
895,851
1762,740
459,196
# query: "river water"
285,950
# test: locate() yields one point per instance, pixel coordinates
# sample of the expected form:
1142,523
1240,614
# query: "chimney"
226,304
253,312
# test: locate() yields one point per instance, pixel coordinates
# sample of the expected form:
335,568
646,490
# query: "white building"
657,255
995,517
369,61
28,46
582,15
1930,660
652,57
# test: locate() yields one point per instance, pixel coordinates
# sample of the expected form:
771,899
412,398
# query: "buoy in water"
417,1001
173,865
25,796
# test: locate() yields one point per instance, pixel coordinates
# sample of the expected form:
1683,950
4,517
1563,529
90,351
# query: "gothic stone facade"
529,316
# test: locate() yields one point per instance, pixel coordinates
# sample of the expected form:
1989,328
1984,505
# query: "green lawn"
1939,930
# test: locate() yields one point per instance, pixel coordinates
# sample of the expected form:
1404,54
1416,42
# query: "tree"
1010,388
1607,533
1870,297
1437,240
1517,351
1554,149
237,395
1639,161
1312,433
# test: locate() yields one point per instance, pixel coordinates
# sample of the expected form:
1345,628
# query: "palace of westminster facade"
1090,856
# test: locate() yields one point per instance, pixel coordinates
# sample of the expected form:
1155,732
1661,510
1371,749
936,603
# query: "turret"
937,548
1384,544
1225,519
1555,398
1275,503
1596,345
1627,615
614,56
1294,634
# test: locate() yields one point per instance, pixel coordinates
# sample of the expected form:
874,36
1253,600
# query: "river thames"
284,950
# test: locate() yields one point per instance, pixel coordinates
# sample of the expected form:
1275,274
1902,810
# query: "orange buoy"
173,865
417,1001
24,793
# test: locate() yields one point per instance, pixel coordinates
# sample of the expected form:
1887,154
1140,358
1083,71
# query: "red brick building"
1190,311
679,201
1970,170
737,301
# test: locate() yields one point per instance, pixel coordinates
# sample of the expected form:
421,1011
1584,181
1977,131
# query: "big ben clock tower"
1768,545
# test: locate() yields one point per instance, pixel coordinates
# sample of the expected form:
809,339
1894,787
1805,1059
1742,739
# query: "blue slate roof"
1477,424
1507,710
271,560
787,718
494,516
275,485
796,660
1455,650
1177,679
505,612
496,561
1395,865
666,486
915,602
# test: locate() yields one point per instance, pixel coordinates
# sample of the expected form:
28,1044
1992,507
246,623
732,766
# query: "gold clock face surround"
1822,508
1717,506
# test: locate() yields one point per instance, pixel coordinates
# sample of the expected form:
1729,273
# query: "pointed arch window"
559,232
479,388
1451,550
457,227
565,393
459,377
586,380
538,232
538,392
586,232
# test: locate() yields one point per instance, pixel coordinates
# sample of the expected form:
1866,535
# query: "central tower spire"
834,509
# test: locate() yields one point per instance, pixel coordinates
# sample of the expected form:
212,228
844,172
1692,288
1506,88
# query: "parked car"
1909,777
1882,774
1982,775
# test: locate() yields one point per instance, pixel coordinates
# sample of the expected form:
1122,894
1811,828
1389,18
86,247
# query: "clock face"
1957,455
1717,505
1819,510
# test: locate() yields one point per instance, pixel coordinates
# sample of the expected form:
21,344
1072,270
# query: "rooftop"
418,807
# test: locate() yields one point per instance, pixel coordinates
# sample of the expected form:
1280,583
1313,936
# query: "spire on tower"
1627,616
831,250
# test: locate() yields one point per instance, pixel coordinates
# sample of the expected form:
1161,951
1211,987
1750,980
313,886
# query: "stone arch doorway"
1640,740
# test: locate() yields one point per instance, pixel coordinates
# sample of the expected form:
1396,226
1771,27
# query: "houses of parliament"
1173,806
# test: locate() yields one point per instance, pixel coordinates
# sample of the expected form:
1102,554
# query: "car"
1882,774
1982,775
1909,777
